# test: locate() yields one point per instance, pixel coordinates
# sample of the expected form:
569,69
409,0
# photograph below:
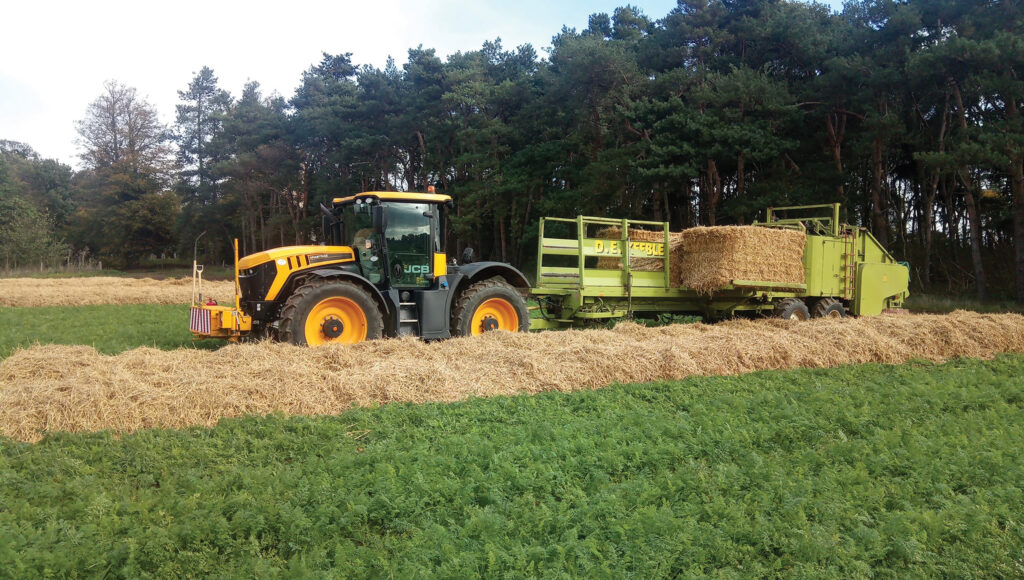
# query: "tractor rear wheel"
792,309
325,310
828,308
491,304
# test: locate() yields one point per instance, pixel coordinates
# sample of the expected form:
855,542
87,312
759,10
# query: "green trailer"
846,272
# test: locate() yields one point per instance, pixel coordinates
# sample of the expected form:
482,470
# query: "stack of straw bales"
711,258
708,259
643,264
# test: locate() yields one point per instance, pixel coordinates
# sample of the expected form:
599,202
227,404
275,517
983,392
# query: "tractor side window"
440,245
357,232
410,247
357,223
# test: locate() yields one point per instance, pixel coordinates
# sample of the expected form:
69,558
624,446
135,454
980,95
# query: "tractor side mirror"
380,219
331,225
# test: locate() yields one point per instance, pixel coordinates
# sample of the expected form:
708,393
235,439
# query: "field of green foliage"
109,328
885,471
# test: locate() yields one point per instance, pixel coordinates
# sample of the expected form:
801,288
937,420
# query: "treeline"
907,112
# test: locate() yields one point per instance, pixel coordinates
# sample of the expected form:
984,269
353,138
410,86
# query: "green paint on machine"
843,264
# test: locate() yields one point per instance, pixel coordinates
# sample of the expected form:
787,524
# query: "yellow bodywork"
214,321
440,265
305,253
224,322
294,258
396,196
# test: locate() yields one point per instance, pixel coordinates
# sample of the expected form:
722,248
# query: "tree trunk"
974,222
714,190
974,226
879,213
668,209
927,227
504,239
929,199
1017,188
741,181
1017,192
835,123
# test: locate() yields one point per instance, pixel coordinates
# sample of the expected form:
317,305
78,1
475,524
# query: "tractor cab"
398,238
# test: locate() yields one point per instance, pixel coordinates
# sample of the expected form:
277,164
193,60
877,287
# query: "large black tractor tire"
491,304
828,308
792,309
330,311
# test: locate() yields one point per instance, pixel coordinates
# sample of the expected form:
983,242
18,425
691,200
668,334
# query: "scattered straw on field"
106,290
713,257
50,388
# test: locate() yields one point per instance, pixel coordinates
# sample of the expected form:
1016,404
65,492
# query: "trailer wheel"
491,304
325,310
792,309
828,308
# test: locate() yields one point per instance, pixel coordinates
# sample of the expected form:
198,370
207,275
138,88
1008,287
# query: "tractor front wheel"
492,304
325,310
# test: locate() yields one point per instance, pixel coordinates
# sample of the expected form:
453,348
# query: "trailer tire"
792,309
491,304
326,310
828,308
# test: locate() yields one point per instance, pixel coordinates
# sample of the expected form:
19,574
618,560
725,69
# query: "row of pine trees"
905,111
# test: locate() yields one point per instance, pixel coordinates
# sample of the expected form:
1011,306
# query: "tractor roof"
395,196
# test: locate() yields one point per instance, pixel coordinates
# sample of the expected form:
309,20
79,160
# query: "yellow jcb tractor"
385,271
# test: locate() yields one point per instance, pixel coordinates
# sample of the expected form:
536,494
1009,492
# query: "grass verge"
893,471
109,328
937,304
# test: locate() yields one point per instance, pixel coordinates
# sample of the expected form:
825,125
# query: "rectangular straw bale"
712,257
642,264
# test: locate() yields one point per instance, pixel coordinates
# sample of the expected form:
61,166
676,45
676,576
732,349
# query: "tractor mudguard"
483,270
389,308
461,276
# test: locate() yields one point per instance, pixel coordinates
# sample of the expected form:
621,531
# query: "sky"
57,55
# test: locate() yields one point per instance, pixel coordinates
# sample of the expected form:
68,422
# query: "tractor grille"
199,321
255,282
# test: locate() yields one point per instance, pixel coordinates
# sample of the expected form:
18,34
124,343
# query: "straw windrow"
106,290
146,388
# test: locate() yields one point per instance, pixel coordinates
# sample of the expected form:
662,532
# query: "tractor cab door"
357,231
410,238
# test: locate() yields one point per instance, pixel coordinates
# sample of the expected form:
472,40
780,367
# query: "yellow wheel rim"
495,314
833,314
335,319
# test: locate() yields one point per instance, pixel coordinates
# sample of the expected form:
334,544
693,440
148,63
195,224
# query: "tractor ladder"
849,262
